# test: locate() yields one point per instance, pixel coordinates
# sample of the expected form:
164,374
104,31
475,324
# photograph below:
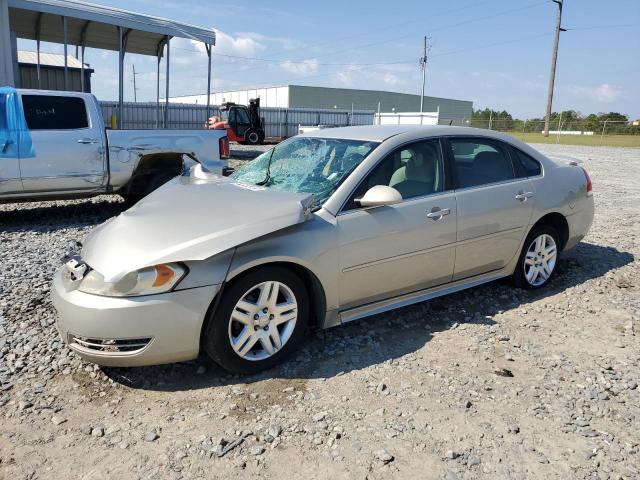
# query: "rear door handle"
437,213
522,196
88,141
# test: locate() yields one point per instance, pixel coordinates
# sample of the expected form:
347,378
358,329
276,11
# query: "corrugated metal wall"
456,112
279,122
52,78
452,111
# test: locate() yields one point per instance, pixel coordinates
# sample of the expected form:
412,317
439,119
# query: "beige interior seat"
420,175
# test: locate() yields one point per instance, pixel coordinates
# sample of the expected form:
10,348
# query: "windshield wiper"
268,174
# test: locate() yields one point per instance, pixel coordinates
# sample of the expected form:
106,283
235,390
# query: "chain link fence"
560,127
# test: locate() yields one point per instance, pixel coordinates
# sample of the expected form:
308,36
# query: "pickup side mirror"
380,195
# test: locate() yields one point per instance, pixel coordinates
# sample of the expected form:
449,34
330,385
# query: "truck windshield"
306,165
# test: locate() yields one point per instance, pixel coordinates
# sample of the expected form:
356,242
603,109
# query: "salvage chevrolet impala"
322,229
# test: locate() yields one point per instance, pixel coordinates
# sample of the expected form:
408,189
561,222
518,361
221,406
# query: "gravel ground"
489,383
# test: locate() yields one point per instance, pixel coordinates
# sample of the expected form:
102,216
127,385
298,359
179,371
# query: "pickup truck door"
68,144
9,174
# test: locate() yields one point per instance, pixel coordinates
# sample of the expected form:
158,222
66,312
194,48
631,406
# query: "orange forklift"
243,124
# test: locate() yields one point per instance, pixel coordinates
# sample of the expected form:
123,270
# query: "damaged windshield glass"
306,165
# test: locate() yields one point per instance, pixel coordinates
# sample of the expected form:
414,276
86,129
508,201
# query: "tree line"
616,123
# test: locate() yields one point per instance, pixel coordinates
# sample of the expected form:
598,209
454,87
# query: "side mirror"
380,195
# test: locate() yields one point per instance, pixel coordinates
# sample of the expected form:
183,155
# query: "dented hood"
190,219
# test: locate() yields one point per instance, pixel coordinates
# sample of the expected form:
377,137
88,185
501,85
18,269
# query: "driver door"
239,120
392,250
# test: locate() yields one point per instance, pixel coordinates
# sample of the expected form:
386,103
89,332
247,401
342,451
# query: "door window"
480,161
44,112
414,170
242,117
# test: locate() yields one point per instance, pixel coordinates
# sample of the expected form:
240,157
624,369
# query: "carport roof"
145,33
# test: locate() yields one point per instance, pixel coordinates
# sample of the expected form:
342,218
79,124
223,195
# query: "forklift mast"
254,113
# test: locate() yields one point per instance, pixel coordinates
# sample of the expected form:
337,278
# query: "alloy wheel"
540,259
263,320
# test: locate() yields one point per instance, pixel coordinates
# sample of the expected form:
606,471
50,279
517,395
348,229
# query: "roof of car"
380,133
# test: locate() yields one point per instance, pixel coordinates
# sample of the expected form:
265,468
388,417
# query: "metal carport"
72,22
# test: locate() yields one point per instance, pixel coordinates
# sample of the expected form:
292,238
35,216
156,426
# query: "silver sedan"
322,229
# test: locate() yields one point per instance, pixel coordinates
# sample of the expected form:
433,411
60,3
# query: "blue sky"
493,52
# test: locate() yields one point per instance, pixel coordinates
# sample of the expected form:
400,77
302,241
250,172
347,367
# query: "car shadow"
58,215
384,337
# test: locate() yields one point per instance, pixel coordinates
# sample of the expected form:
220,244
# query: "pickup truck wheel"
130,199
261,319
157,181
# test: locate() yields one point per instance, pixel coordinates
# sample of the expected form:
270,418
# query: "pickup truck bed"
69,153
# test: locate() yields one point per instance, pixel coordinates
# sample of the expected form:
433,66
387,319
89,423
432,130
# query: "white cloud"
306,67
603,93
371,77
241,45
282,43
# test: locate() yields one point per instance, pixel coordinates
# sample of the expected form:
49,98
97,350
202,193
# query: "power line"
298,62
445,27
454,52
465,7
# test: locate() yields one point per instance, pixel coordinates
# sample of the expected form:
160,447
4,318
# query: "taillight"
223,145
589,184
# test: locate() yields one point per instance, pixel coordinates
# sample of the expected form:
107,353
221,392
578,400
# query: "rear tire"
538,258
261,319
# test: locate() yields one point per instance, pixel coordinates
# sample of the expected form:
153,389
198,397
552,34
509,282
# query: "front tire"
538,258
253,137
261,319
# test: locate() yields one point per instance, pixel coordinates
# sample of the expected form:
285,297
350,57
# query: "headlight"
146,281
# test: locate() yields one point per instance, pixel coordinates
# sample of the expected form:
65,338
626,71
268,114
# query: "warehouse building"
299,96
48,74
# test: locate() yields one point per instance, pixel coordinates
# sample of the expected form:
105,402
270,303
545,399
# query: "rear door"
494,205
390,250
69,154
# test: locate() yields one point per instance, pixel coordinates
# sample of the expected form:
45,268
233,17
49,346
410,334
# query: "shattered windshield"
306,165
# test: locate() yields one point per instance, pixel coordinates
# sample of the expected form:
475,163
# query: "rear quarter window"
529,165
54,112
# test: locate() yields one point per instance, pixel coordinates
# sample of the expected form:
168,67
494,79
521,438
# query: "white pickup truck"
68,152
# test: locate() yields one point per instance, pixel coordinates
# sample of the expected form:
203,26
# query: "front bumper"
134,331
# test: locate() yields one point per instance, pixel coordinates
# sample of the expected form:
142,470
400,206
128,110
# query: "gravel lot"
489,383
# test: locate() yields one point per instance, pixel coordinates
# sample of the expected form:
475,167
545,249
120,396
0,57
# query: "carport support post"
120,76
83,42
207,46
38,25
66,67
166,81
158,91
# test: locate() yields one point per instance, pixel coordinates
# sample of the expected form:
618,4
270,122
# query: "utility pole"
554,59
135,89
423,65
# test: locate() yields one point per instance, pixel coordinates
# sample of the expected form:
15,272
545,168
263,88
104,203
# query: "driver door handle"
437,213
88,141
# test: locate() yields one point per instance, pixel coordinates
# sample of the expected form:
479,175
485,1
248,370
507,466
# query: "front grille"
109,345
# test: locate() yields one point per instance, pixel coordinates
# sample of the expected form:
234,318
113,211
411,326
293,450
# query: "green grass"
595,140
